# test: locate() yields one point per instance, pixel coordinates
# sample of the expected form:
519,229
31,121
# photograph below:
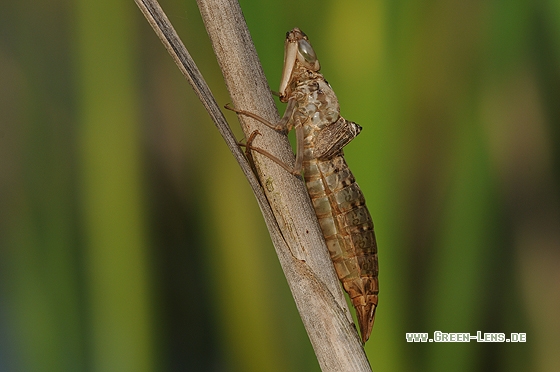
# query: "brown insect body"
338,201
321,133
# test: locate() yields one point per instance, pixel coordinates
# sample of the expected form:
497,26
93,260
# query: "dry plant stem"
291,221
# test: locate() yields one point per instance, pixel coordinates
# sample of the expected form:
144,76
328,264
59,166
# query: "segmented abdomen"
348,230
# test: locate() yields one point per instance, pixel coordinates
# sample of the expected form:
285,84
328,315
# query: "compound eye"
306,51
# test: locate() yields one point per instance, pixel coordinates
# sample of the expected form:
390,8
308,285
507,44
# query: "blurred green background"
129,240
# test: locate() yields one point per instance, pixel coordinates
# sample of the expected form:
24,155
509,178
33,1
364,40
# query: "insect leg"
282,125
249,146
285,124
298,166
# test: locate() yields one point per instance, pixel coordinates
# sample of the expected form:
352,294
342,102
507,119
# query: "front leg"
282,126
285,124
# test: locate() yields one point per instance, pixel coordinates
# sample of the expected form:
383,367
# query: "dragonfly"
313,112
